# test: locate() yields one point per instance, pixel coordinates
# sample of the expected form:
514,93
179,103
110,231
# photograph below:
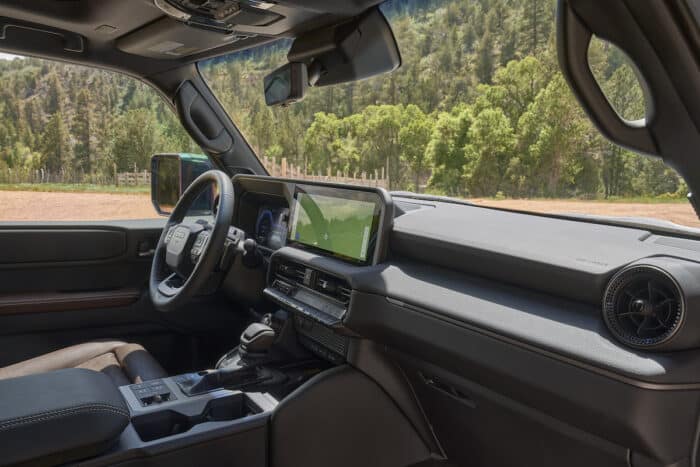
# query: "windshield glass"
479,110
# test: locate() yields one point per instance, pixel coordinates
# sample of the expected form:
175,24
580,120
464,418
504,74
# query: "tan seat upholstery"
124,363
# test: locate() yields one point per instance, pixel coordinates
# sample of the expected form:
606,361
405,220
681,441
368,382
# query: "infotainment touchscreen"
342,222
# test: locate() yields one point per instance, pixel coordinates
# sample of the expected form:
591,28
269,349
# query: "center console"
314,238
318,302
160,409
213,417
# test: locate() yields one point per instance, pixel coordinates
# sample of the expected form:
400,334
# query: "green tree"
445,151
55,94
414,137
81,130
136,139
536,21
484,57
491,143
554,136
55,145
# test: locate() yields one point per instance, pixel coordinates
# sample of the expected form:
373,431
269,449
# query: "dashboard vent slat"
328,285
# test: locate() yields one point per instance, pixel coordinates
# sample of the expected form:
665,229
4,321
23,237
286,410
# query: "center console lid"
60,416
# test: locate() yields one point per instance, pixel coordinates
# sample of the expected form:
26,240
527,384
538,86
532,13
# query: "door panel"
63,283
55,245
75,257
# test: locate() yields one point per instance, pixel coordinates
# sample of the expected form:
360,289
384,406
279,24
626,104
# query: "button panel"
152,392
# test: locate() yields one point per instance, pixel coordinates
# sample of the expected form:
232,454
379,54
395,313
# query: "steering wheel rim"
164,296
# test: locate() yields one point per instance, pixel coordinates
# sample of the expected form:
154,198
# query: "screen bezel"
336,192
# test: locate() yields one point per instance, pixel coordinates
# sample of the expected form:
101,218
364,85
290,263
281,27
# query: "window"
75,142
479,110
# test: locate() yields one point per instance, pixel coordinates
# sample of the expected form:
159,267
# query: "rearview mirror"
286,84
357,49
171,174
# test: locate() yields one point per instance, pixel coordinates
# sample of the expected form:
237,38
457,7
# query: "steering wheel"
188,253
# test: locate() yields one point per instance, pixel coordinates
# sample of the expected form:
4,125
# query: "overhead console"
219,15
191,27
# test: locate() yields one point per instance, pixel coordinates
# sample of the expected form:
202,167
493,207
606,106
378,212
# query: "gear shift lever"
255,343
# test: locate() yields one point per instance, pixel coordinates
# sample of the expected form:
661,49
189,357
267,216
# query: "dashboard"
473,298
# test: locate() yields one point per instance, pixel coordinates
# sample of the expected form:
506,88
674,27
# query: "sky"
4,56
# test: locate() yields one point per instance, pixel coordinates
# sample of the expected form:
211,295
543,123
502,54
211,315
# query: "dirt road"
33,206
26,205
680,213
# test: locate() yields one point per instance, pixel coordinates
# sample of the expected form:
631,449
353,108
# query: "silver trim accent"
171,11
260,5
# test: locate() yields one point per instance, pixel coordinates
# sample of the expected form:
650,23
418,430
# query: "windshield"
479,111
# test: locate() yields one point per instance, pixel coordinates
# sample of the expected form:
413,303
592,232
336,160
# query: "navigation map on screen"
341,225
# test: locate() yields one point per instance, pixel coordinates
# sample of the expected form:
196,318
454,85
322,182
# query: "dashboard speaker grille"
643,306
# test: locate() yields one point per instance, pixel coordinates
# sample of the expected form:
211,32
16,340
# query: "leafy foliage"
80,122
478,108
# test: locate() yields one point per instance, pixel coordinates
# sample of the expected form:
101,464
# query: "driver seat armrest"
59,416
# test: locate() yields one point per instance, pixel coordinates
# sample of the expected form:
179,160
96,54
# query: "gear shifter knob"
256,339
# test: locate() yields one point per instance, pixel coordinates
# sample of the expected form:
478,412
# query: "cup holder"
166,423
161,424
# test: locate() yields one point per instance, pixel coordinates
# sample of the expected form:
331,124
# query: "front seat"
124,363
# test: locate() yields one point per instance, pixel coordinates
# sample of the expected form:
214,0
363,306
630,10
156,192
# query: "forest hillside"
478,109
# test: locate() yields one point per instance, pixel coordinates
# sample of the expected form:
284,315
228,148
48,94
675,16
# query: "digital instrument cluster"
271,227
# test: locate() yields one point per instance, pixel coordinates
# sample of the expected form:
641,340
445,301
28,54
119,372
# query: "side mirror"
171,174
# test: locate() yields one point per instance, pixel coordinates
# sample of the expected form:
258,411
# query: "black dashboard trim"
548,353
596,402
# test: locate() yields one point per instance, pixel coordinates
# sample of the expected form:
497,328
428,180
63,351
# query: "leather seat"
124,363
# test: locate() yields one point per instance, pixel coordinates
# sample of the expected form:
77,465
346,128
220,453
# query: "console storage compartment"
59,417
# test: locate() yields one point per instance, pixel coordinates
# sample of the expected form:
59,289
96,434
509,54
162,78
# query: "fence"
282,169
285,169
133,178
31,176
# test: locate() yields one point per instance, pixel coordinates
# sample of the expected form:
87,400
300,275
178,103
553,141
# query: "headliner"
123,34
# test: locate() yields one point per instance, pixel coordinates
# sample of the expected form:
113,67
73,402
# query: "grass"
634,199
74,188
146,189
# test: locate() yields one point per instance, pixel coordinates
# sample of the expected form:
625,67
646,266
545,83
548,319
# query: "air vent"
643,306
325,284
344,294
333,287
292,271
